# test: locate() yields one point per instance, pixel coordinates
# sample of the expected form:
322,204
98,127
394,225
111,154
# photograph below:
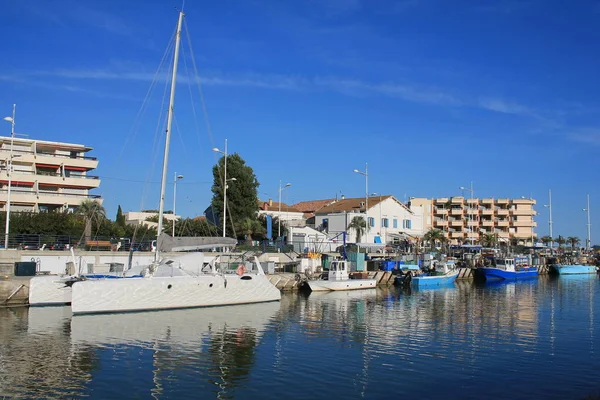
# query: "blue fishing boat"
573,269
443,273
508,268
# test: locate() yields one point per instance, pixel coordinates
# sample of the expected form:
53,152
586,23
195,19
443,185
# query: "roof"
274,206
309,207
356,204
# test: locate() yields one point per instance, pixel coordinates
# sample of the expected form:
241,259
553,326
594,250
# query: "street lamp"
588,243
9,172
470,206
177,177
366,175
549,207
225,180
279,213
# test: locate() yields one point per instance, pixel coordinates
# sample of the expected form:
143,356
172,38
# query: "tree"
120,219
92,212
434,235
242,194
359,225
546,240
560,240
250,227
574,241
490,239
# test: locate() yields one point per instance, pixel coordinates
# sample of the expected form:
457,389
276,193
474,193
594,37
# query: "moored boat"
507,268
573,269
338,279
445,273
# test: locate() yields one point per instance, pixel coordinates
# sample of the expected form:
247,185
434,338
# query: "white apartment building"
140,217
388,219
46,176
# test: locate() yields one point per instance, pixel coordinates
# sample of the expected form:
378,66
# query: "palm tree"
560,240
358,224
546,240
490,239
92,211
574,241
434,235
250,227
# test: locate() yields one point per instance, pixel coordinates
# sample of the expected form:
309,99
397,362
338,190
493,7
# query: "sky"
430,94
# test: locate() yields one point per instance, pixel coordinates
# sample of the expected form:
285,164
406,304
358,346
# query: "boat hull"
49,290
163,293
435,280
497,273
574,269
342,284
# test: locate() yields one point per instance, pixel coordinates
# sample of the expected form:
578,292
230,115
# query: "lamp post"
279,213
225,180
549,207
366,175
470,207
9,172
588,243
177,177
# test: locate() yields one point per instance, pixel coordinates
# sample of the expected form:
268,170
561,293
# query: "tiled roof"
274,206
309,207
356,204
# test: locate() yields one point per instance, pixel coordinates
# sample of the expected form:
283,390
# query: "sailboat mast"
163,182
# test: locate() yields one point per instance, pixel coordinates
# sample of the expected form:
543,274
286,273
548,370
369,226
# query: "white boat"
338,279
164,285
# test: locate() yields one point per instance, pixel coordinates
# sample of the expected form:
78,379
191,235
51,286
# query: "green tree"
432,236
250,227
242,194
359,225
120,219
560,240
546,240
490,239
574,241
93,213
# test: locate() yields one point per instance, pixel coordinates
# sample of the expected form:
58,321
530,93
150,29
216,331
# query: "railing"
41,153
56,174
43,193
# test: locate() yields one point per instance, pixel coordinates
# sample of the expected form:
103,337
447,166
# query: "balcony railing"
46,193
56,174
49,154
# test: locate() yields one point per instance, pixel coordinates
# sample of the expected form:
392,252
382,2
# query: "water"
534,339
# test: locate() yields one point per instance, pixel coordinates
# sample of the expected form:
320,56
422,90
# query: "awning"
69,168
18,183
47,166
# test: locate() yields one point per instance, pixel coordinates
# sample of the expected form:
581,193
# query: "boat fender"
241,270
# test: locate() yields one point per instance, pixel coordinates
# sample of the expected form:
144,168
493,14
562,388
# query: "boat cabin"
507,264
445,267
338,270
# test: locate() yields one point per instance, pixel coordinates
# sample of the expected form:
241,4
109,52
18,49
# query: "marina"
540,334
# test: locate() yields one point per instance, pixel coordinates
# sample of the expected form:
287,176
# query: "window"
371,222
406,223
384,223
395,223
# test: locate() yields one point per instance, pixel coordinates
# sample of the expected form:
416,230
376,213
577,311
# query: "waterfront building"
140,218
310,207
465,220
46,176
388,219
285,213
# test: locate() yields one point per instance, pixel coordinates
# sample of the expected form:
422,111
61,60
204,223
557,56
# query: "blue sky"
431,94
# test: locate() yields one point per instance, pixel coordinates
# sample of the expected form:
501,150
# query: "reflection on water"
469,341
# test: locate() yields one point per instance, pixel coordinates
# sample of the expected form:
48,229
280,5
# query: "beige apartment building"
46,176
465,220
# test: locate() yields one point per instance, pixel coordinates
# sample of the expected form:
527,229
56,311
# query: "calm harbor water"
535,339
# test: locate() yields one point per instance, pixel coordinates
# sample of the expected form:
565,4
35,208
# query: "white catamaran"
183,282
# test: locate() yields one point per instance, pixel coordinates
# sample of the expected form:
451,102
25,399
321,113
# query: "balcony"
455,235
487,223
502,211
439,223
472,223
29,157
441,200
502,201
503,223
86,181
523,212
456,222
487,201
46,197
487,211
440,211
457,211
525,224
457,200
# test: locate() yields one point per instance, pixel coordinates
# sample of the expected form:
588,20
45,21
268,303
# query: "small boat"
338,279
508,268
573,269
444,273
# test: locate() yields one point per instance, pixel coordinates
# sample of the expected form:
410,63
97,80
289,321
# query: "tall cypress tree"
120,220
242,194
